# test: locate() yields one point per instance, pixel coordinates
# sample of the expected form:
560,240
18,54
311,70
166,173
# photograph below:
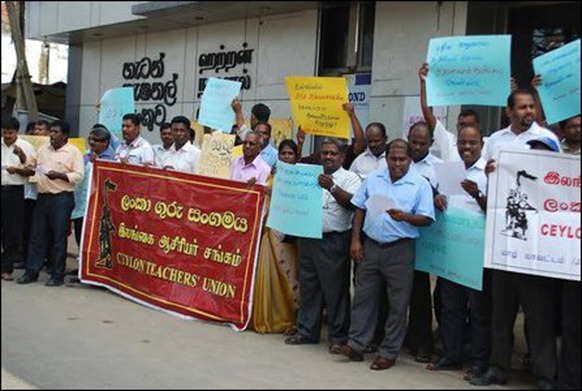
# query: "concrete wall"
51,17
401,35
283,45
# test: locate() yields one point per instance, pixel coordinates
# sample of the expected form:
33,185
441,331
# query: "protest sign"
216,155
559,90
472,69
533,214
297,200
317,103
173,241
114,104
216,106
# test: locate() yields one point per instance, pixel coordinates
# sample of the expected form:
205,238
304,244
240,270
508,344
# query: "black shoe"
54,282
423,356
444,364
25,279
298,339
490,377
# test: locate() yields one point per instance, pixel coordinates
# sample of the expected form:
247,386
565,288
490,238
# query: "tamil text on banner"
560,87
216,106
216,155
533,214
178,242
114,104
472,69
452,247
297,200
317,105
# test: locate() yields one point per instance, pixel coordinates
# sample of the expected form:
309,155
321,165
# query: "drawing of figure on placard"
516,222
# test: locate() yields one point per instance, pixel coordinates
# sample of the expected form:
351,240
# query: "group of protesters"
302,283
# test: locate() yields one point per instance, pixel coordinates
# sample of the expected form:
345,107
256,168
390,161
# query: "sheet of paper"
449,177
378,204
40,170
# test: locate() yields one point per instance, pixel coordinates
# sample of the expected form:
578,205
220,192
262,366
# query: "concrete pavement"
85,337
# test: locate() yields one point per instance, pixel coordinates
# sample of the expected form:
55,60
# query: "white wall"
401,35
283,45
51,17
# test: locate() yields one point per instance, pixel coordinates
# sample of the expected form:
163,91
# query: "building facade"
168,50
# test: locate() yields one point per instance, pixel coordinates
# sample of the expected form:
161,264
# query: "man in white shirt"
324,264
374,157
167,137
16,154
134,149
183,155
510,290
419,336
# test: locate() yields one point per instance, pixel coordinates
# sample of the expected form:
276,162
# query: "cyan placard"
469,70
453,247
114,104
297,200
215,108
560,87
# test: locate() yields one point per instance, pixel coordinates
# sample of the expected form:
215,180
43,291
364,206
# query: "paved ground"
85,337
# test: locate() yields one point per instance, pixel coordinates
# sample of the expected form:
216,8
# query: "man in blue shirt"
394,202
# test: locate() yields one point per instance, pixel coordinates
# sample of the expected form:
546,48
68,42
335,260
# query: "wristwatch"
333,188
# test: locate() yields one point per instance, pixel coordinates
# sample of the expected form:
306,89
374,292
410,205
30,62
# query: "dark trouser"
324,273
419,335
12,221
569,369
534,293
394,264
78,225
28,213
455,299
51,214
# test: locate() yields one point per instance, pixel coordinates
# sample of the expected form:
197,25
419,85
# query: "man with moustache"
509,289
250,167
167,137
388,252
134,149
59,167
324,264
456,301
183,155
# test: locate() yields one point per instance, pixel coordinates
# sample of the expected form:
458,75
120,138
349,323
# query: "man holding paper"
455,299
388,253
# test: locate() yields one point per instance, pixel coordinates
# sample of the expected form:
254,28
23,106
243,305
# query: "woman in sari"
276,294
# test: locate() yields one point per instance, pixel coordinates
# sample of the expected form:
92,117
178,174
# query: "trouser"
394,264
28,213
569,368
324,273
12,222
51,214
419,335
78,226
456,300
534,293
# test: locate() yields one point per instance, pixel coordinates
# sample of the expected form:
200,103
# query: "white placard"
449,176
378,204
533,214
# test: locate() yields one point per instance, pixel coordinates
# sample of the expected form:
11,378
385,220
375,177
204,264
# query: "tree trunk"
23,77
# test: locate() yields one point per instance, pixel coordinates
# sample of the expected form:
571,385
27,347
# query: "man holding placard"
395,202
324,264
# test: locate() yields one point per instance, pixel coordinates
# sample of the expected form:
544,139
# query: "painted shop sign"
225,61
151,90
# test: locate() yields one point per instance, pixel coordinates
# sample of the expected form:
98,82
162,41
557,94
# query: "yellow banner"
79,143
317,105
35,141
216,155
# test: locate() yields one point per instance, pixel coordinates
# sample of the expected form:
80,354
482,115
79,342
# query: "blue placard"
453,247
560,87
114,104
297,200
469,70
215,108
